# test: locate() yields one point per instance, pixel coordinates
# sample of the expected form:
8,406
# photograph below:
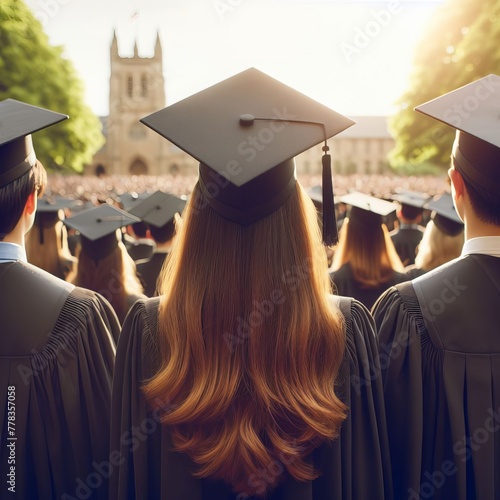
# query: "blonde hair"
251,344
437,248
114,276
53,255
369,251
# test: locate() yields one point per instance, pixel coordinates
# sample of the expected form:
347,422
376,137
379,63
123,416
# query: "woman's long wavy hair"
251,345
370,252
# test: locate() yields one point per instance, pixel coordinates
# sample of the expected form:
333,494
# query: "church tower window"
130,86
145,85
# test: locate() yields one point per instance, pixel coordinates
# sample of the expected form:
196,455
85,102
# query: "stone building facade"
137,88
361,149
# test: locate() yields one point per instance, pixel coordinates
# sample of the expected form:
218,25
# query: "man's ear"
457,183
30,206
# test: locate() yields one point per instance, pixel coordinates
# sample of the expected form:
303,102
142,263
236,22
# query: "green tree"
459,46
33,71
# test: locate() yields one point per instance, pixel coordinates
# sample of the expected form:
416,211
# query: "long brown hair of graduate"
251,345
369,251
114,277
53,255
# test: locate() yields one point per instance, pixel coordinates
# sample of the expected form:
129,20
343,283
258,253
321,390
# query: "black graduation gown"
406,241
355,466
56,366
440,357
148,272
413,272
347,286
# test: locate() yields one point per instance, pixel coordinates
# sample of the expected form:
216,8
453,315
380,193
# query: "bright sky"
354,57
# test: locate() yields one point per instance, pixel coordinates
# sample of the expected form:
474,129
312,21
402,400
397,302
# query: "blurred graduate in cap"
47,242
365,263
442,382
409,233
443,237
158,211
57,351
104,264
135,238
255,381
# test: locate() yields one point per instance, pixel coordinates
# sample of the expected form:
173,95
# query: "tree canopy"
35,72
459,46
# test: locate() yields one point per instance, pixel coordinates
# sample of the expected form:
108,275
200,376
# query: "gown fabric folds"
56,366
406,241
354,466
440,358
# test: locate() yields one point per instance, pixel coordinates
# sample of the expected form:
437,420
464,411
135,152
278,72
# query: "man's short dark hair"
486,204
410,212
164,233
13,197
140,229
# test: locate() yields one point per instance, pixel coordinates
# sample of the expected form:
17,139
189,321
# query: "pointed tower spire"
158,51
136,50
114,45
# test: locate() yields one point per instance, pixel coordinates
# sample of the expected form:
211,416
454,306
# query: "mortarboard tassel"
330,233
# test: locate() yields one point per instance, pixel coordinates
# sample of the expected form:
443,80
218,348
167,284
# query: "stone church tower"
136,89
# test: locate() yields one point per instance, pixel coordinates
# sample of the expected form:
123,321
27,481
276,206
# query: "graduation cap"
97,227
245,132
17,122
445,215
474,110
411,198
130,200
52,204
159,208
412,203
367,210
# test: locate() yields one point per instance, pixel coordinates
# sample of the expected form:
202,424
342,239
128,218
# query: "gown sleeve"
62,397
133,428
400,326
357,464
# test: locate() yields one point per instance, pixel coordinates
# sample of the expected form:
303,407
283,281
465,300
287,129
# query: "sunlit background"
355,57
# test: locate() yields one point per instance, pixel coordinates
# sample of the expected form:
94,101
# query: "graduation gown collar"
10,252
487,245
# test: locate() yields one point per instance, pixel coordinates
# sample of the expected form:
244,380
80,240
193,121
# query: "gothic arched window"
130,86
145,85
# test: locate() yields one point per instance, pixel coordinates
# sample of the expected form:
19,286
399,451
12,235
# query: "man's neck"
475,232
15,237
476,228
